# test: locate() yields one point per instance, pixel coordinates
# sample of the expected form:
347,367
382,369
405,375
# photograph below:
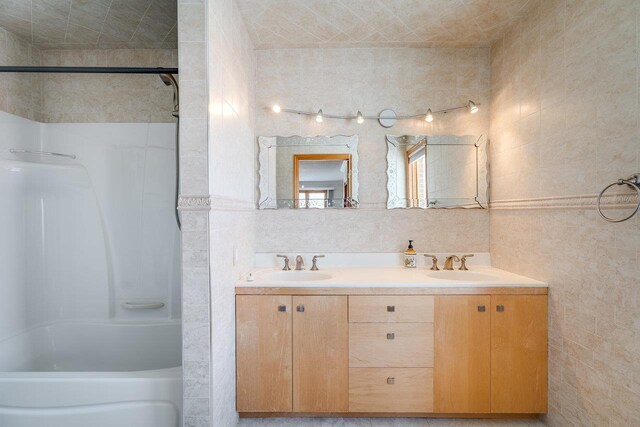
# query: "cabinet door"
320,354
462,359
263,340
519,354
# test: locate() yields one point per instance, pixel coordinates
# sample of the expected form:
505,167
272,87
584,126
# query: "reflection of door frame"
296,180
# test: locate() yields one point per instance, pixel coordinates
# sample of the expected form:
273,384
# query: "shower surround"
88,235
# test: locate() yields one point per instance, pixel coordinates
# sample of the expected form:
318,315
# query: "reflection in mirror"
441,171
321,180
308,172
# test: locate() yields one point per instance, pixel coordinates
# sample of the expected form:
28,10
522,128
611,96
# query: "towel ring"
634,182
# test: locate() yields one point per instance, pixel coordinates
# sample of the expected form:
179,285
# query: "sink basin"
460,275
295,276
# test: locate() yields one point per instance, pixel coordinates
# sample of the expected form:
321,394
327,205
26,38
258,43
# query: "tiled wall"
343,81
194,203
564,122
85,98
217,135
20,94
97,98
232,77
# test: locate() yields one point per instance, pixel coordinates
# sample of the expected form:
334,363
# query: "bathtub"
98,374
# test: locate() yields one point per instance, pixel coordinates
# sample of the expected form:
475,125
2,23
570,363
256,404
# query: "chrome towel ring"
634,182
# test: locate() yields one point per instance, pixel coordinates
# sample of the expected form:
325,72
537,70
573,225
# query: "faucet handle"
286,262
314,267
463,262
434,265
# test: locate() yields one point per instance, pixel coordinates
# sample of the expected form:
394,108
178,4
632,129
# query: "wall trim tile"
567,202
194,203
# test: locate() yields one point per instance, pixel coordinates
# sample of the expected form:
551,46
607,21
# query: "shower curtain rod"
88,70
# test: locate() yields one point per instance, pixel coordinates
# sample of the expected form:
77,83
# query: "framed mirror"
318,172
442,171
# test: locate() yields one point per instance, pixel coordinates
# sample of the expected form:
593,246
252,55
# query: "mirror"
318,172
443,171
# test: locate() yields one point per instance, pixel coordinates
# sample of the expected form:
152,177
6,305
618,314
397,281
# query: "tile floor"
383,422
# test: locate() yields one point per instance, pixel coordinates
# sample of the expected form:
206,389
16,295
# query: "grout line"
141,18
106,16
167,35
66,30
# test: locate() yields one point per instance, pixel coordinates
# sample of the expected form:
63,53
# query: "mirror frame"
479,201
265,172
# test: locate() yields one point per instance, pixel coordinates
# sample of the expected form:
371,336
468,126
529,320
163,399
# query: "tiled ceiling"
55,24
379,23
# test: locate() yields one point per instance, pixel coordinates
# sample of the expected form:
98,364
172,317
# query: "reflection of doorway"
416,166
321,180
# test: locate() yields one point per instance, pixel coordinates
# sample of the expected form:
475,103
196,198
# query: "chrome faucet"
448,262
434,265
314,267
286,262
299,263
463,260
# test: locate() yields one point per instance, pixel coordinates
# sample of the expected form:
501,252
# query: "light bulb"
473,108
276,108
319,117
429,116
360,119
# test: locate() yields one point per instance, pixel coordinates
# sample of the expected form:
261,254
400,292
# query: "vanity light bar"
471,106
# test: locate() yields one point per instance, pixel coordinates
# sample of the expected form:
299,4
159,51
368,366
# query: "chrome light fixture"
387,117
429,117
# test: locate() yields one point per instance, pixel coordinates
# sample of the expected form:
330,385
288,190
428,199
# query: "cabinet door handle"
300,308
499,308
282,308
391,380
391,308
481,308
391,336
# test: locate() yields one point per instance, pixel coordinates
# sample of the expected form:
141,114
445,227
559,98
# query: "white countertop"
478,276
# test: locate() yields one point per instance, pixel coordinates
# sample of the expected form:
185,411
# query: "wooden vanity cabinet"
320,354
491,354
292,353
263,353
519,354
462,371
340,351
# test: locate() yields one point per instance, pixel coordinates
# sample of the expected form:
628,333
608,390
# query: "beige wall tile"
588,137
20,94
231,77
343,81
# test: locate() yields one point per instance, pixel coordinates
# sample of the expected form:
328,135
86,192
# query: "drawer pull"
391,308
300,308
391,380
282,308
391,336
499,308
481,308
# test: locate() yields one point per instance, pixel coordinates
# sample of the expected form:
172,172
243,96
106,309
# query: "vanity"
389,341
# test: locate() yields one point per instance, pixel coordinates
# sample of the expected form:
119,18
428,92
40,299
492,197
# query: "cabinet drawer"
399,345
390,308
390,390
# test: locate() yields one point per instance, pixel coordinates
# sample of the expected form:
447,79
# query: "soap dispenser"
410,256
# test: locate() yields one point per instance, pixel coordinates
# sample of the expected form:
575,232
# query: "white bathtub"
98,374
